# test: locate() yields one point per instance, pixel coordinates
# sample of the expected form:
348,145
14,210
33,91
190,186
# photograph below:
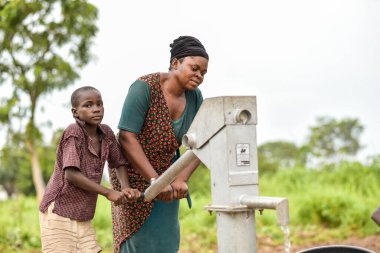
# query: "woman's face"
190,71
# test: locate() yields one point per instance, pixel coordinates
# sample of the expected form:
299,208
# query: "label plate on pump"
242,154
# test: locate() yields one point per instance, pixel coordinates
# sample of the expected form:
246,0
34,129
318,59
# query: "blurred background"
313,66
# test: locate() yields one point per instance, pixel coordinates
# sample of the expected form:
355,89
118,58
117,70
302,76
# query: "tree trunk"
38,180
9,189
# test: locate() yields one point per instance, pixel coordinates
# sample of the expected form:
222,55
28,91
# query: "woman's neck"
171,86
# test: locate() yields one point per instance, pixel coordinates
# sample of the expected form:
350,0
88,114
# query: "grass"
330,203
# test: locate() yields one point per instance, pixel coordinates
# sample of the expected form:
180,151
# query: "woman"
157,112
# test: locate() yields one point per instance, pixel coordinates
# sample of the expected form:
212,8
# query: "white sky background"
302,59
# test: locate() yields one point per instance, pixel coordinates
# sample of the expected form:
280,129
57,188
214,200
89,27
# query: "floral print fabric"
158,141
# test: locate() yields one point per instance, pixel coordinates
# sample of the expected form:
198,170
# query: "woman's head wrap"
187,46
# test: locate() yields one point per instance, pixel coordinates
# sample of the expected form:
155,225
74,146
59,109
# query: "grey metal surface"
223,137
217,112
278,204
236,232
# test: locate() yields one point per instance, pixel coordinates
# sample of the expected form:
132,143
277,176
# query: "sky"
301,59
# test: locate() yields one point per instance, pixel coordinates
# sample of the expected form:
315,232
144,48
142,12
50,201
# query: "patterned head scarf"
187,46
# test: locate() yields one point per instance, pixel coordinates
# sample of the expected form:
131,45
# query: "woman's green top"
161,232
136,106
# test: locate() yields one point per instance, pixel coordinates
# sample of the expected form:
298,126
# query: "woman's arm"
186,173
180,188
134,152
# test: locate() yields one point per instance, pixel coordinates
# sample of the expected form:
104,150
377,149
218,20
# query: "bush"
341,198
19,221
327,209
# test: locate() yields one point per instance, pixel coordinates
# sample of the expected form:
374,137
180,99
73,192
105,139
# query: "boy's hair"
76,94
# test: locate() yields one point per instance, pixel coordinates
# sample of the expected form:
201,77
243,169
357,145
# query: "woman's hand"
166,194
131,194
180,189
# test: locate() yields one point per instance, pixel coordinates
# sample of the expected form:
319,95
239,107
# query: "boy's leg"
87,238
58,234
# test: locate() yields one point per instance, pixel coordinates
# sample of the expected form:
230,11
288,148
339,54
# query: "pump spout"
279,204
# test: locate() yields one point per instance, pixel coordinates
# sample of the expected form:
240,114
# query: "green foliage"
15,172
13,166
325,208
329,142
267,166
324,204
48,155
341,199
374,161
19,224
282,152
103,223
331,137
5,106
198,228
199,182
43,44
9,169
279,154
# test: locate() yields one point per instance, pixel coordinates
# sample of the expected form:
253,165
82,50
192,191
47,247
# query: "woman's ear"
174,64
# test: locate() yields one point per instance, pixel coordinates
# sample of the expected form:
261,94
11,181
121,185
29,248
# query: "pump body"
223,137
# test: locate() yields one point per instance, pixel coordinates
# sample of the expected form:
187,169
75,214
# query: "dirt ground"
370,243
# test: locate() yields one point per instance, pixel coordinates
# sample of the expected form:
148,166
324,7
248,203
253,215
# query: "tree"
15,172
43,46
275,154
13,164
48,152
334,139
9,169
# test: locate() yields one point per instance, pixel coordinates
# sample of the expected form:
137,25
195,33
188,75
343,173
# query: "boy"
69,202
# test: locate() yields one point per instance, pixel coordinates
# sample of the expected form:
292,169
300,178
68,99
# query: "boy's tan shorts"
61,234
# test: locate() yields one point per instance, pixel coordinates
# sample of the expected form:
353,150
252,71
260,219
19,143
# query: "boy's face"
90,107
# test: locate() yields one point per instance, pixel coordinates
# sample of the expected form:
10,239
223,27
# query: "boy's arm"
75,177
117,160
122,176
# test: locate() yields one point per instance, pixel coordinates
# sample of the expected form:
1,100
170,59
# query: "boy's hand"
131,194
116,197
